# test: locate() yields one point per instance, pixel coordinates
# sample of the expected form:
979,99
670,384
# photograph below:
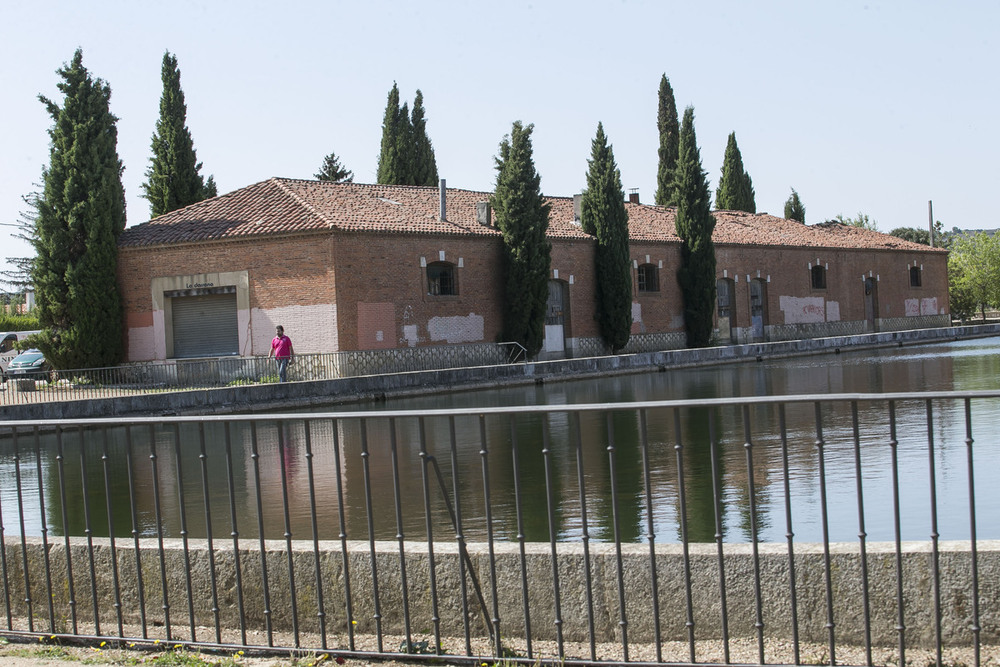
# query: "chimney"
577,207
633,195
444,207
484,213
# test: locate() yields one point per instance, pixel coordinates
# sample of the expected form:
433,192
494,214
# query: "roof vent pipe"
444,208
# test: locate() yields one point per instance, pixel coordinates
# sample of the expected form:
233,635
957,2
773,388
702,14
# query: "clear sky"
873,107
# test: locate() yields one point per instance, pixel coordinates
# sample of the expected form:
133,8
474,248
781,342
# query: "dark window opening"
818,277
915,276
441,279
649,279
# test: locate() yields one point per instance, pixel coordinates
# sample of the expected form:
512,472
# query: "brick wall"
382,279
351,291
787,272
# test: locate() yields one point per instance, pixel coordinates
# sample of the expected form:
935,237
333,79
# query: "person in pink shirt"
281,350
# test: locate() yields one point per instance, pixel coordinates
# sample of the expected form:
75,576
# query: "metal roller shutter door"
205,326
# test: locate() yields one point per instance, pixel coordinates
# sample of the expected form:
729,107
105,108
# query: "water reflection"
253,479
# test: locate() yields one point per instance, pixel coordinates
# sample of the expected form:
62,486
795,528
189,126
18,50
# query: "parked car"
29,365
8,347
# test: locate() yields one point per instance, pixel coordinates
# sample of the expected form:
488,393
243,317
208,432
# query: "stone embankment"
249,398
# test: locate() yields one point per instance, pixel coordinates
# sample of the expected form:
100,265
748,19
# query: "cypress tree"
694,223
425,170
404,147
173,180
794,210
389,159
603,215
735,191
523,220
80,214
407,156
333,171
667,126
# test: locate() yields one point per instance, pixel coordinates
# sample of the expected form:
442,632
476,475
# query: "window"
649,279
915,276
818,277
441,279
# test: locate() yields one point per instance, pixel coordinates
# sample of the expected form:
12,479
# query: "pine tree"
80,214
523,220
603,215
794,210
333,171
735,191
667,126
424,170
389,159
173,180
694,223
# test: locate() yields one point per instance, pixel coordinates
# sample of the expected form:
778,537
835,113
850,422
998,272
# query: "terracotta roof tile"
281,206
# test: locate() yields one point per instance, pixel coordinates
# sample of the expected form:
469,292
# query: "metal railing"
839,529
184,374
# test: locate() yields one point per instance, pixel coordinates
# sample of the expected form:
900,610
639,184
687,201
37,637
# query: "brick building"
368,267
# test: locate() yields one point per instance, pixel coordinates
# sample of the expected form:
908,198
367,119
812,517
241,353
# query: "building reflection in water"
269,481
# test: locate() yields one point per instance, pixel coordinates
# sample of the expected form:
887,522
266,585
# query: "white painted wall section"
313,329
637,325
804,310
411,335
456,329
832,311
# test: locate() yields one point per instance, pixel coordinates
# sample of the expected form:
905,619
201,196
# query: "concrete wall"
810,581
248,398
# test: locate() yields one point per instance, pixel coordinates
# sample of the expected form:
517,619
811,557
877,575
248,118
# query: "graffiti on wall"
803,310
916,307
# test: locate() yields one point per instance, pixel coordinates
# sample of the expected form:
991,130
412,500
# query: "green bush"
13,322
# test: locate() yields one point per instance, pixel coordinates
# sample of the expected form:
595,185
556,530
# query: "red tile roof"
281,206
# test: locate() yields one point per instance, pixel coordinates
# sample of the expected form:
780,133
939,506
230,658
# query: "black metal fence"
183,374
711,531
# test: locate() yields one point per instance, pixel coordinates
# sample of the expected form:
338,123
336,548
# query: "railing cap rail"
527,409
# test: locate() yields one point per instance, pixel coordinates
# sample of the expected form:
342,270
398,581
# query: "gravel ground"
20,653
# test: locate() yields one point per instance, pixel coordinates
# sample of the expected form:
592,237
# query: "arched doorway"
556,309
758,309
726,291
871,304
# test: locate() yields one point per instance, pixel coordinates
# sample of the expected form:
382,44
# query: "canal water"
111,482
